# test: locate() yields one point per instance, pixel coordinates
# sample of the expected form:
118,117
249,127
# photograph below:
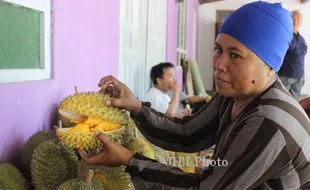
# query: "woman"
261,133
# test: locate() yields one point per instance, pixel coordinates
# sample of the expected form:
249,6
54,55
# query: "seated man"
195,102
163,80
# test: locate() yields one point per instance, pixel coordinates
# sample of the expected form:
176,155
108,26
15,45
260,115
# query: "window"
142,42
195,24
25,34
182,17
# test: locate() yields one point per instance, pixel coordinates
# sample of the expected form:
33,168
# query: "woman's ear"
271,72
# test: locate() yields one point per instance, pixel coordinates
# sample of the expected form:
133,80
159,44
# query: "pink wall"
172,32
85,49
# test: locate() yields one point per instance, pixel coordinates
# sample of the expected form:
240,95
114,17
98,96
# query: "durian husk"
113,178
88,183
52,164
88,140
91,104
141,146
189,160
160,154
32,143
166,156
11,178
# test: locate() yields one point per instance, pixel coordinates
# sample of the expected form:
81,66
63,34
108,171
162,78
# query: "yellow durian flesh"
92,121
81,136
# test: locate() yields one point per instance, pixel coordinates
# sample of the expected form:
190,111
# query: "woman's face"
239,73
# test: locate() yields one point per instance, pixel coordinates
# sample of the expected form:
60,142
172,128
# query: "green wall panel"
19,37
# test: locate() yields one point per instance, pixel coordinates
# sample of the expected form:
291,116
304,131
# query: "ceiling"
208,1
211,1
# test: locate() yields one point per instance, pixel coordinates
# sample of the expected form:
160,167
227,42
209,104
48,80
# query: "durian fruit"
82,136
186,161
161,155
87,112
113,178
52,164
11,178
32,143
87,184
141,146
93,104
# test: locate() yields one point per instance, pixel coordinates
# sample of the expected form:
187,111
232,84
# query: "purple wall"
172,33
85,48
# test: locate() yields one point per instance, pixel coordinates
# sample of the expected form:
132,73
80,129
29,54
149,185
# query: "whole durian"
52,164
88,112
87,184
186,161
141,146
11,178
112,177
32,143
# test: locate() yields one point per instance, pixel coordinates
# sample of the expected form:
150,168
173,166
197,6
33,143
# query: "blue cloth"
265,28
294,61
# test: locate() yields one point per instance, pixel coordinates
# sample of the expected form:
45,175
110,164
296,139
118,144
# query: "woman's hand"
122,97
114,154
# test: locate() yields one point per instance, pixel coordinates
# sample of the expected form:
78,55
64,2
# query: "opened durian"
87,184
93,104
141,146
113,178
52,164
32,143
11,178
86,113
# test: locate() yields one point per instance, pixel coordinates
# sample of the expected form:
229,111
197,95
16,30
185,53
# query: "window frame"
182,31
44,73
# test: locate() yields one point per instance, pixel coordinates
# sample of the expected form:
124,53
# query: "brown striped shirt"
266,147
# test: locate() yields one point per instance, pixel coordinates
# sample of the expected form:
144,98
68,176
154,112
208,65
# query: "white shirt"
159,100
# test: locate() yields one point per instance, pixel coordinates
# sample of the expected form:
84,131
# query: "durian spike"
60,124
89,176
136,132
76,89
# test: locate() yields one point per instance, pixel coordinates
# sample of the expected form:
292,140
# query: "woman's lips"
221,82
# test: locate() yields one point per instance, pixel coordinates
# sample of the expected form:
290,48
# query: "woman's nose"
220,64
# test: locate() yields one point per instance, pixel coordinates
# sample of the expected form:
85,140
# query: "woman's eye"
235,56
218,50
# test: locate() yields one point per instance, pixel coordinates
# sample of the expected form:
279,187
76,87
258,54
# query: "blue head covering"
265,28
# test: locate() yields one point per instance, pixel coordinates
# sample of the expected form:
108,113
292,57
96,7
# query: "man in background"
292,70
165,94
195,102
163,80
